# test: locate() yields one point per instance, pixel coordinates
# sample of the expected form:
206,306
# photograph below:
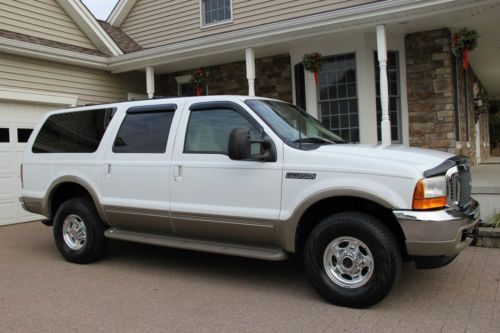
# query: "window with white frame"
338,99
215,11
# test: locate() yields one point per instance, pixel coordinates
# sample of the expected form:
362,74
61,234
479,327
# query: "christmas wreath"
462,42
313,63
199,79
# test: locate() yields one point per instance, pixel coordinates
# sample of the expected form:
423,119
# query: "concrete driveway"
139,288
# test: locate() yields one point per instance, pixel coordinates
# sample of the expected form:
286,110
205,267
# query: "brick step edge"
488,237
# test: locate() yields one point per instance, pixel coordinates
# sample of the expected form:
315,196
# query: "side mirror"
239,147
239,144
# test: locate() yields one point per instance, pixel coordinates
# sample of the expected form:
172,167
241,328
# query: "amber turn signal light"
422,201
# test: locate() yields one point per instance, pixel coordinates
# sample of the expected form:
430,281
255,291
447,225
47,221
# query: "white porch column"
150,82
250,61
384,87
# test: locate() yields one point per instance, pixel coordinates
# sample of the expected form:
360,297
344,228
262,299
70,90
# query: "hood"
398,156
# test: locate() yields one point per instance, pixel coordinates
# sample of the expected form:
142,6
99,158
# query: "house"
54,53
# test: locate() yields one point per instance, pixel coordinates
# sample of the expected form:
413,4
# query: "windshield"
293,125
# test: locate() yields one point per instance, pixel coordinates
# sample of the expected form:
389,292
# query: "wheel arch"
294,231
69,187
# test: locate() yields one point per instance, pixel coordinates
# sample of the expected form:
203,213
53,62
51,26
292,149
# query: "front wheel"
352,259
79,232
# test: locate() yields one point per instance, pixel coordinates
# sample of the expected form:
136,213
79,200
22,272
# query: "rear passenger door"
137,164
213,196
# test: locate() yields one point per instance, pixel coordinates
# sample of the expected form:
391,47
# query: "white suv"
250,177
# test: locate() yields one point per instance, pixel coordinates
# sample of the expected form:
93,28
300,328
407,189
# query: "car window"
73,132
143,133
208,131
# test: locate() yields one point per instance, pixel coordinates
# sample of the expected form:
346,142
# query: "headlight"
430,193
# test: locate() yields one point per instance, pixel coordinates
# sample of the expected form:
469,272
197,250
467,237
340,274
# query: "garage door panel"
6,186
6,163
14,116
7,210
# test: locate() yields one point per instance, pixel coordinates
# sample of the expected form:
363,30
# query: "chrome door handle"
177,172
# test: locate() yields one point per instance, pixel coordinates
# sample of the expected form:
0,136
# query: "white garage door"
17,120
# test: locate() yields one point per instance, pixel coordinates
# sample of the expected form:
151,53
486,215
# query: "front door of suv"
213,196
136,170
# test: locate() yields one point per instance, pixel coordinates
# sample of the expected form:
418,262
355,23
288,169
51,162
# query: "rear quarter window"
73,132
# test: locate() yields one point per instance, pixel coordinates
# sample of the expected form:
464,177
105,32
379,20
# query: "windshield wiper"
315,139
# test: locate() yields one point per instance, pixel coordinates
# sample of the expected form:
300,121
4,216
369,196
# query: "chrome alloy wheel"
74,232
348,262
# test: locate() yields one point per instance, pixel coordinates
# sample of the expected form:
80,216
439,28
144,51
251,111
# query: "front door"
213,196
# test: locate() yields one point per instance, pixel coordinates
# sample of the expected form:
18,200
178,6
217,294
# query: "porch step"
264,253
488,237
486,187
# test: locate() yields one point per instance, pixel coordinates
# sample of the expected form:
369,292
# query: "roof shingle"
126,44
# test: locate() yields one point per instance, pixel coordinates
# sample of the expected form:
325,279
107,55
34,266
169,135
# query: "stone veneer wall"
429,62
273,79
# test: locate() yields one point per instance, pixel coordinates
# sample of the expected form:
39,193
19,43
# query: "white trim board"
42,97
89,25
346,19
120,12
26,49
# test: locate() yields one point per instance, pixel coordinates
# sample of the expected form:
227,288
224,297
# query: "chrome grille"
459,186
465,186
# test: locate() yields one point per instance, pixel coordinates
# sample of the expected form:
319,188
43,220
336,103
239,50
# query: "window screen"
143,133
23,134
338,99
216,11
73,132
4,135
208,131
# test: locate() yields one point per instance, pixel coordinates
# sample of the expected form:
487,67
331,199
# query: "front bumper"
443,232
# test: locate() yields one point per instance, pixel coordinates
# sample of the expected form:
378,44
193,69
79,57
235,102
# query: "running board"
264,253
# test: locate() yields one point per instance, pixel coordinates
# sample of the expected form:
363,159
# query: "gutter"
362,16
26,49
343,19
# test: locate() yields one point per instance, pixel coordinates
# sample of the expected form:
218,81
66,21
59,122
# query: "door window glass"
145,132
208,131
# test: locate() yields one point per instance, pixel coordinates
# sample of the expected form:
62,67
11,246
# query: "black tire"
95,243
384,249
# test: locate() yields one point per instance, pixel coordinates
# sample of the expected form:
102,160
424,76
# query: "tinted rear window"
73,132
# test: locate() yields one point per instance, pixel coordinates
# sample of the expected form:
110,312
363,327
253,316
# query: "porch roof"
399,16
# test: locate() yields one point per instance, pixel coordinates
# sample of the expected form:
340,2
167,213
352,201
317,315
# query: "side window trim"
202,106
217,105
144,109
152,108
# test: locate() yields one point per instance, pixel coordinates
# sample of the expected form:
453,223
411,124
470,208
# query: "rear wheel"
352,259
79,232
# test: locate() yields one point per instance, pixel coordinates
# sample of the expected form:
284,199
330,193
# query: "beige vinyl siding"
90,85
43,19
159,22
